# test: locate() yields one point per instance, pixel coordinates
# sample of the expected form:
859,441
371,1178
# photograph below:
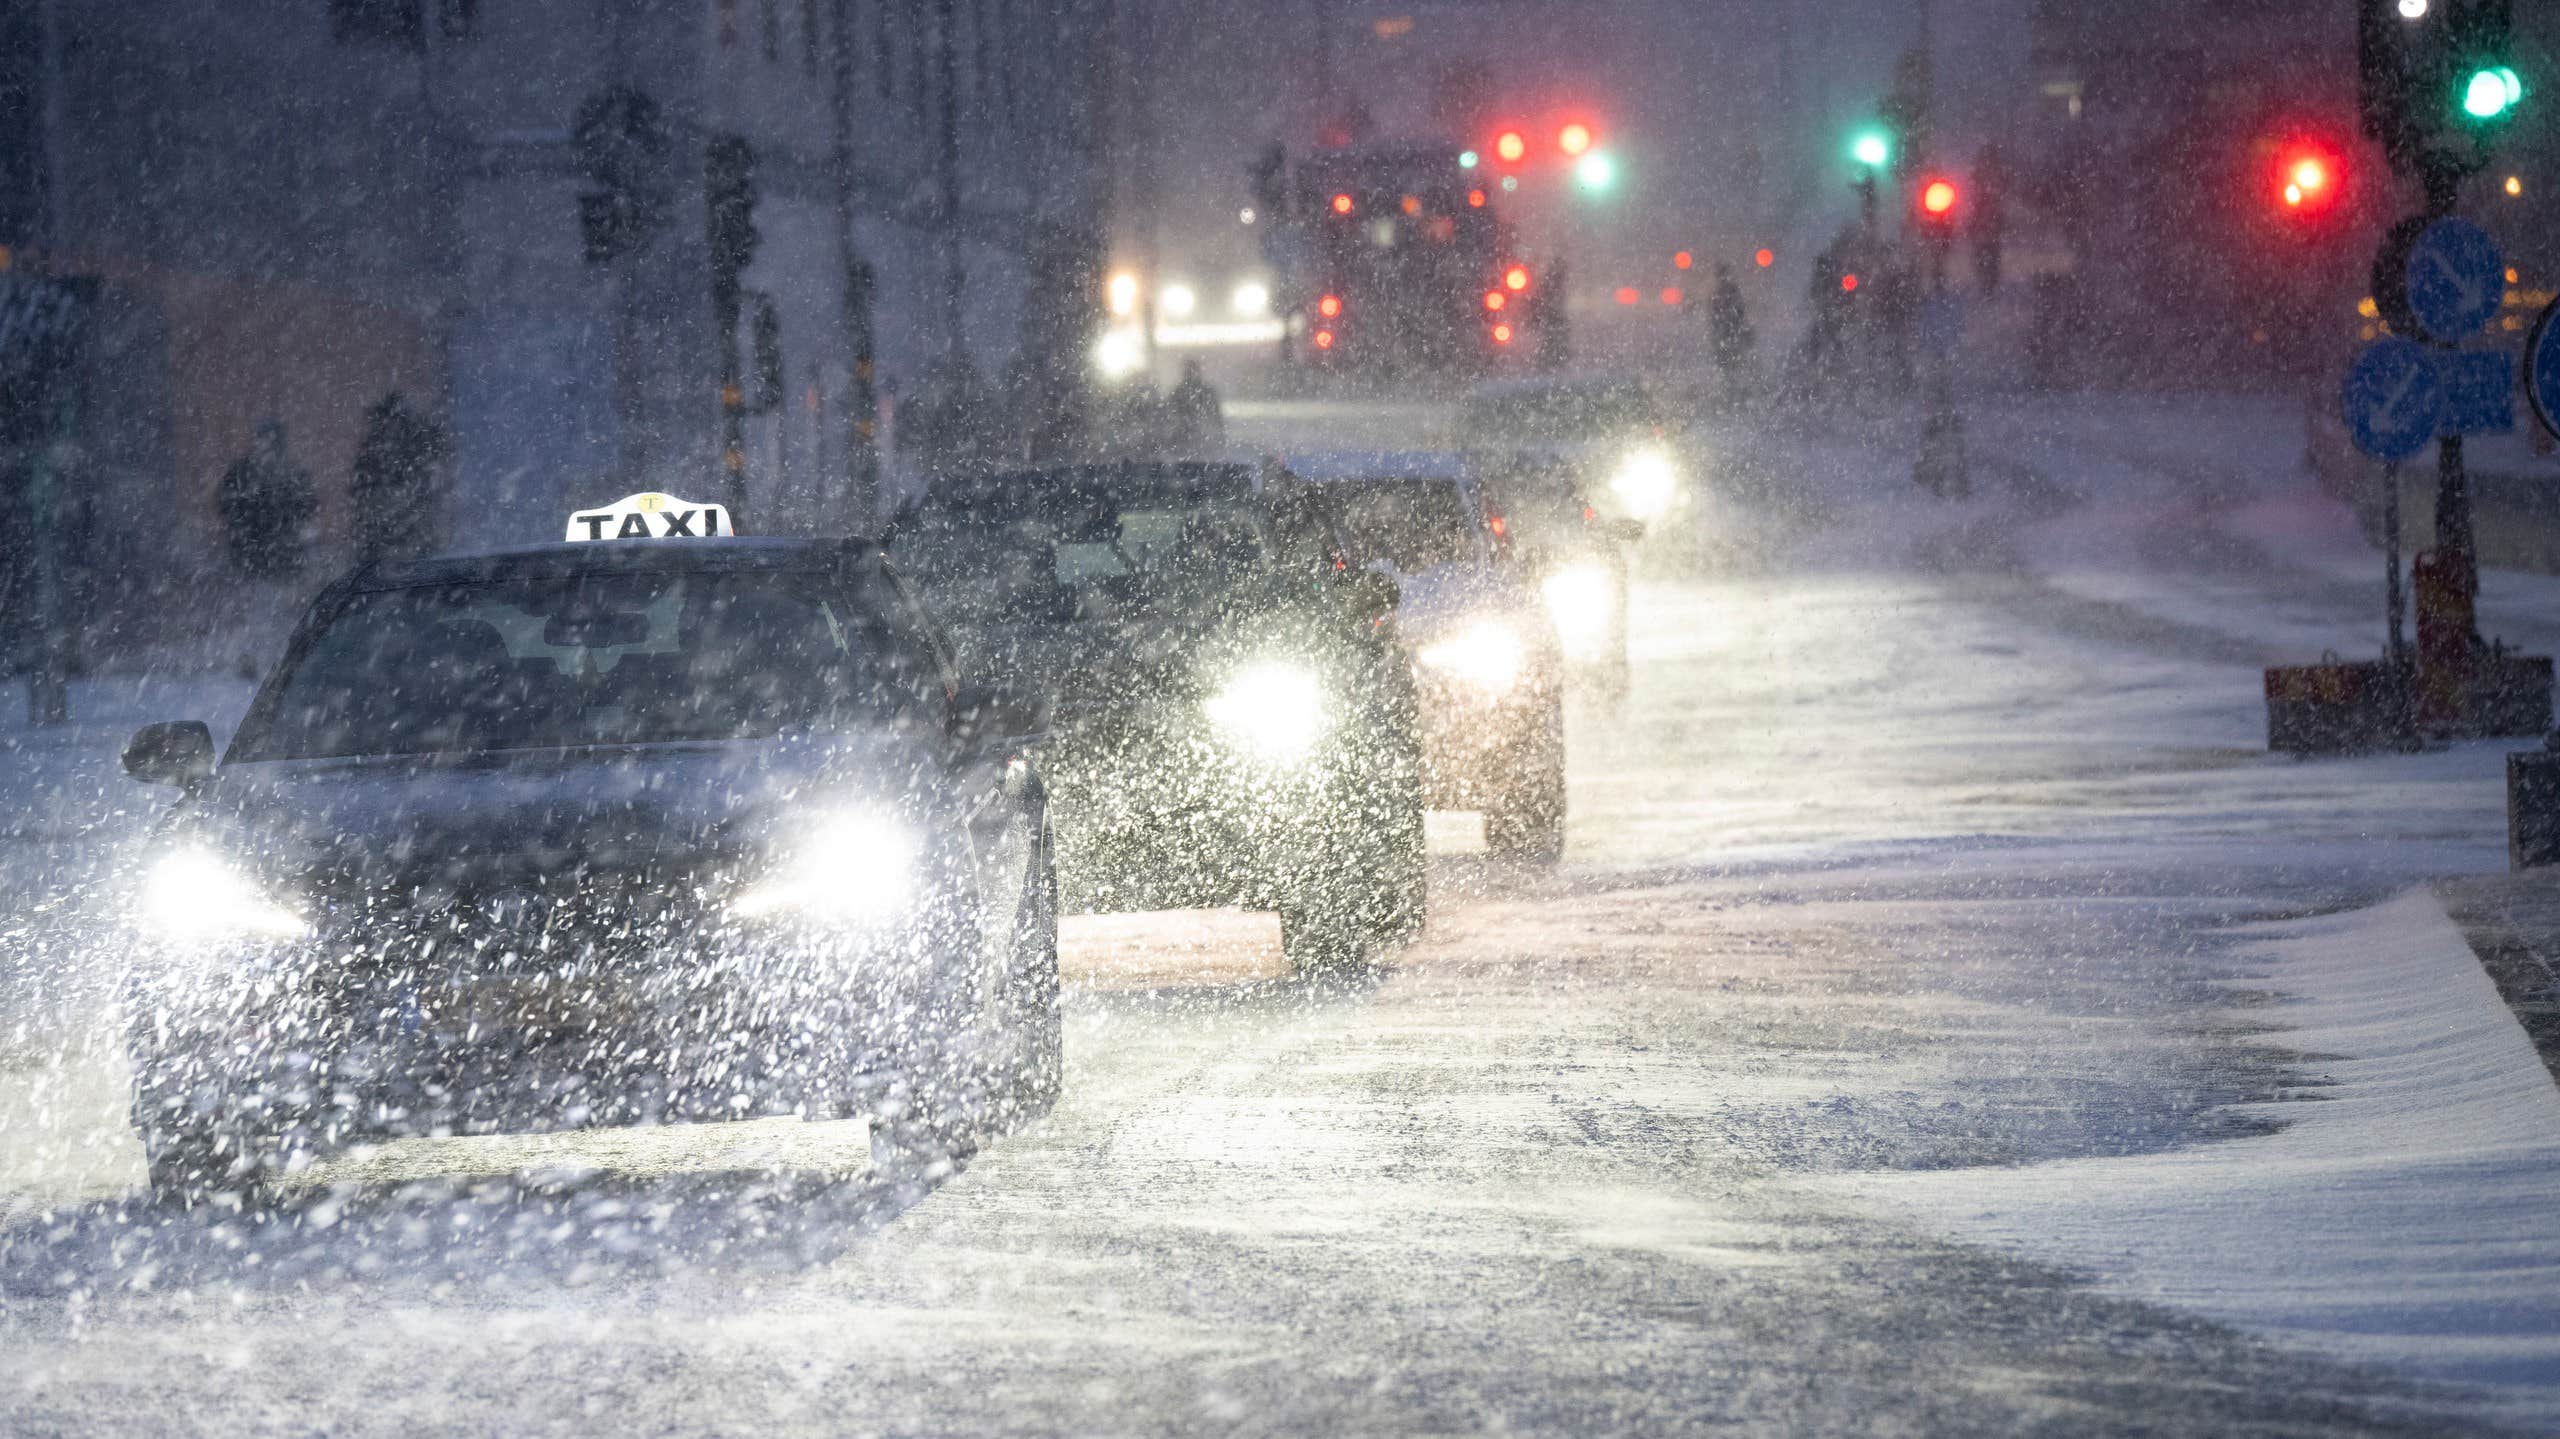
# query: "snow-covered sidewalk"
2407,1215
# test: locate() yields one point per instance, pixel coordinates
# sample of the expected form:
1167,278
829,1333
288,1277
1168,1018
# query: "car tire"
1526,821
1322,937
1032,995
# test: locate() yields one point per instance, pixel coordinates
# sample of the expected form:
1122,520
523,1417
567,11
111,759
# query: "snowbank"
2407,1217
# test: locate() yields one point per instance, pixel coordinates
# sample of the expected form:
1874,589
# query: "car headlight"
192,895
1646,483
1487,654
1276,710
858,868
1581,601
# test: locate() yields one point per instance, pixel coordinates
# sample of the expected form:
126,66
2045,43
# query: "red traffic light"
1329,306
1848,284
2308,180
1502,334
1938,198
1509,146
1765,259
1342,204
1516,278
1574,139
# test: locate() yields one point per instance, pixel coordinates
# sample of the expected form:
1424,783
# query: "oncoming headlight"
1581,601
1486,654
1274,709
1646,483
190,895
858,868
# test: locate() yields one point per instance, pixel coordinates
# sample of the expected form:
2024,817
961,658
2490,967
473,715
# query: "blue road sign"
2456,279
2479,392
2392,399
2542,368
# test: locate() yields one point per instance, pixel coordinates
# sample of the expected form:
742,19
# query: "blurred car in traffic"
1233,724
1574,554
618,832
1484,653
1623,434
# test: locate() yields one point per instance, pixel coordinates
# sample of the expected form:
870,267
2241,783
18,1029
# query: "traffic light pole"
2455,544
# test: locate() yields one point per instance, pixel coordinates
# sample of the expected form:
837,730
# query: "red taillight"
1671,295
1342,204
1516,278
1589,513
1626,295
1848,284
1502,334
1765,258
1683,260
1501,527
1495,299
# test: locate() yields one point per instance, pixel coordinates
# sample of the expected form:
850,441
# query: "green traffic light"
2491,92
1466,159
1596,171
1871,149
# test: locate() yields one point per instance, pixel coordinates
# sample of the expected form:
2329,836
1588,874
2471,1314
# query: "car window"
557,662
1410,524
974,567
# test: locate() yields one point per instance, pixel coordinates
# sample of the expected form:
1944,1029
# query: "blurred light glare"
858,868
1510,146
1516,278
2515,184
1180,300
191,895
2413,9
1119,354
1872,150
1274,709
1646,483
1251,298
1581,602
1596,171
1245,215
1486,654
1123,293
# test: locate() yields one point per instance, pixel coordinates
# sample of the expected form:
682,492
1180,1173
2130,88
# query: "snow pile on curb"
2409,1215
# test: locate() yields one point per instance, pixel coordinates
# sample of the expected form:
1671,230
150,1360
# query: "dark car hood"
536,818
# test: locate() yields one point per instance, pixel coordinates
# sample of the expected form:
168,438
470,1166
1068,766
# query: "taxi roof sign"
650,515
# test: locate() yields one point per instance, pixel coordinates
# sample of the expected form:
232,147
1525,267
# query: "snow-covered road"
1949,1020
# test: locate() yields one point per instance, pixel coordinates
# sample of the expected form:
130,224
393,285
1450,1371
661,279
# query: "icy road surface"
1949,1021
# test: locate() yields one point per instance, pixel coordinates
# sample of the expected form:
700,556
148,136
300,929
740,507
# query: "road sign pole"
2395,605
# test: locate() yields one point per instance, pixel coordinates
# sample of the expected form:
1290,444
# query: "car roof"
1029,491
563,560
1336,466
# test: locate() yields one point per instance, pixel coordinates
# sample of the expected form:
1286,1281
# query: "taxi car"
622,831
1232,722
1487,664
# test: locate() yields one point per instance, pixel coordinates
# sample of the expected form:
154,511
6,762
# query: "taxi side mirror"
178,752
984,717
1373,594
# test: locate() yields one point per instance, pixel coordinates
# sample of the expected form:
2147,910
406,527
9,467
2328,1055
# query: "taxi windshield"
1412,525
564,662
1073,561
